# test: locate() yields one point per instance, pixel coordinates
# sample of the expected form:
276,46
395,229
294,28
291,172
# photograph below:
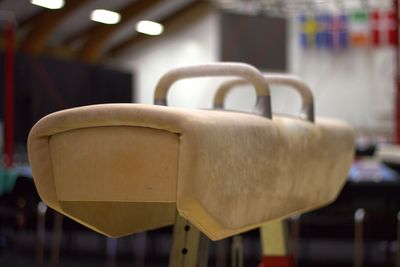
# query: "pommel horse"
125,168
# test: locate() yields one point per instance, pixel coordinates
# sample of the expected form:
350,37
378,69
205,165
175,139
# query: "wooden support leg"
237,251
359,216
275,244
40,232
189,247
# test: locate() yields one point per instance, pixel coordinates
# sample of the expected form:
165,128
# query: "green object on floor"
7,181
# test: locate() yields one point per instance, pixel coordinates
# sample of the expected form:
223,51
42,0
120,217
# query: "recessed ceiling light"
50,4
105,16
149,27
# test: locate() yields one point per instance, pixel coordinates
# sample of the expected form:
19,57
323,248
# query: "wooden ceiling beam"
32,19
92,48
127,12
174,22
45,24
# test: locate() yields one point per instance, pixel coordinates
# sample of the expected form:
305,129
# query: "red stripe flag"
383,27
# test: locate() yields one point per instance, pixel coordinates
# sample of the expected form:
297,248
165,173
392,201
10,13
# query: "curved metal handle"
245,71
285,79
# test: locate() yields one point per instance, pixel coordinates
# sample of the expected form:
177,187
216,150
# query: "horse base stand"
189,245
276,252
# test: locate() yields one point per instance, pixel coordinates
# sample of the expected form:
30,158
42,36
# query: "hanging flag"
303,35
383,27
321,34
359,28
343,34
337,36
392,31
309,29
328,25
375,28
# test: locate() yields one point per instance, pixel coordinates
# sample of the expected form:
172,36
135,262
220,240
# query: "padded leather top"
231,171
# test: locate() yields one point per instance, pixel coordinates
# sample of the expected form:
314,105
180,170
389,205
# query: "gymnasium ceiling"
69,32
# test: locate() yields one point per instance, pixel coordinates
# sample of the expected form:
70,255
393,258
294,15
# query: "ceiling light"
105,16
50,4
149,27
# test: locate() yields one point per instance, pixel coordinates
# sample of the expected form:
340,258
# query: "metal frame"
292,81
359,217
245,71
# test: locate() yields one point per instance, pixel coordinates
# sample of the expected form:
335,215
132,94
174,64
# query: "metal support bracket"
189,247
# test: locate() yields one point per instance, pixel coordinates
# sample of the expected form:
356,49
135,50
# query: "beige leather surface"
115,167
86,161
